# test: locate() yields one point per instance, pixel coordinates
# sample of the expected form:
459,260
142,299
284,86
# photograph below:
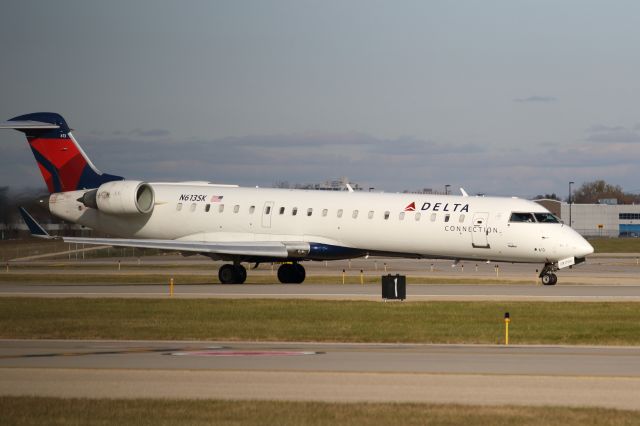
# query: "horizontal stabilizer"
34,227
27,124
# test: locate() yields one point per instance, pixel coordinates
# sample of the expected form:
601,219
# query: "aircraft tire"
549,279
241,274
285,273
227,274
300,273
291,273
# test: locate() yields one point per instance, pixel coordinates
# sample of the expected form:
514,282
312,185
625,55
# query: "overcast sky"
500,97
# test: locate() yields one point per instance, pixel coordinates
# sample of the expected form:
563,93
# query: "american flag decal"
216,198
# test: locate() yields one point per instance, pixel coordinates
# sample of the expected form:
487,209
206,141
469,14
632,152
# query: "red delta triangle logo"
411,207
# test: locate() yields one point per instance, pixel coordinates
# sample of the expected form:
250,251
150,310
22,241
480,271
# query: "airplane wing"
267,249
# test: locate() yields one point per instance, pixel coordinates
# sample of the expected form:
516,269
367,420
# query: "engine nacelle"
121,197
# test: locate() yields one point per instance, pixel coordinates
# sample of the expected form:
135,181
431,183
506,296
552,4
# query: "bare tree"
552,196
591,192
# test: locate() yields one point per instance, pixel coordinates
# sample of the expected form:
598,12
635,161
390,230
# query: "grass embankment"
54,411
328,321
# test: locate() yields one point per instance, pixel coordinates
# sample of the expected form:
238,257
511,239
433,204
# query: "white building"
598,220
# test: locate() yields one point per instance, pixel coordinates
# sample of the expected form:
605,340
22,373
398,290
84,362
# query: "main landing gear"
547,274
288,273
291,273
232,274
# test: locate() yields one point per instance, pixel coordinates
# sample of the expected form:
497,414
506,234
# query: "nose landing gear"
547,274
549,279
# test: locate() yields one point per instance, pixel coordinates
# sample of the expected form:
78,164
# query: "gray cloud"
153,133
536,99
613,134
387,164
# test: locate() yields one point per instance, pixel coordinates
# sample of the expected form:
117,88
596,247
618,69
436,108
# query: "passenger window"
294,211
267,210
401,216
281,210
179,207
354,214
339,213
370,215
221,208
309,211
434,216
521,217
207,207
461,218
236,208
324,212
386,215
447,217
252,209
193,207
418,216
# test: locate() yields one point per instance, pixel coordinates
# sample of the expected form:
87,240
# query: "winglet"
34,227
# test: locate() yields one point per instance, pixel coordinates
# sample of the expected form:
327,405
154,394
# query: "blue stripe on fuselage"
319,251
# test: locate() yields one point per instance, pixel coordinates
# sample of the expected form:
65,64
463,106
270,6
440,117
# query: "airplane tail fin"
62,162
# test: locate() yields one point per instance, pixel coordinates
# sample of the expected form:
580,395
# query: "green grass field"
327,321
54,411
615,245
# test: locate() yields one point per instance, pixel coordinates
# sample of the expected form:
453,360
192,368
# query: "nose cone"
579,246
583,248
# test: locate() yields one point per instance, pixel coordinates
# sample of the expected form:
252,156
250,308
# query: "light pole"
446,189
570,183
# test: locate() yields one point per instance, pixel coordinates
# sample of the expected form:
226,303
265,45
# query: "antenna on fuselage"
464,193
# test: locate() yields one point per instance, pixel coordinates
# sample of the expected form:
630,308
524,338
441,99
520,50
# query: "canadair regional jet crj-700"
254,225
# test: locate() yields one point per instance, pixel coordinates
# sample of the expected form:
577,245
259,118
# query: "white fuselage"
453,227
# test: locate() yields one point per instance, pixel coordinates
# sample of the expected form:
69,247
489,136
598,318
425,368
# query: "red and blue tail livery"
63,164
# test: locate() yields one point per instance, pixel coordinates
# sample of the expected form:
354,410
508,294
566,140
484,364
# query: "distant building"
339,184
607,219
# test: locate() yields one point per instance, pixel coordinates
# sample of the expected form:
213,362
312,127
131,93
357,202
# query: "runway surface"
465,374
415,292
469,374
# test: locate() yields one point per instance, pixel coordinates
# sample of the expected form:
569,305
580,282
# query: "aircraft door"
480,232
267,211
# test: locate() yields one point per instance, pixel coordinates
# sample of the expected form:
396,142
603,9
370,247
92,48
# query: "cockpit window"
522,217
546,218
